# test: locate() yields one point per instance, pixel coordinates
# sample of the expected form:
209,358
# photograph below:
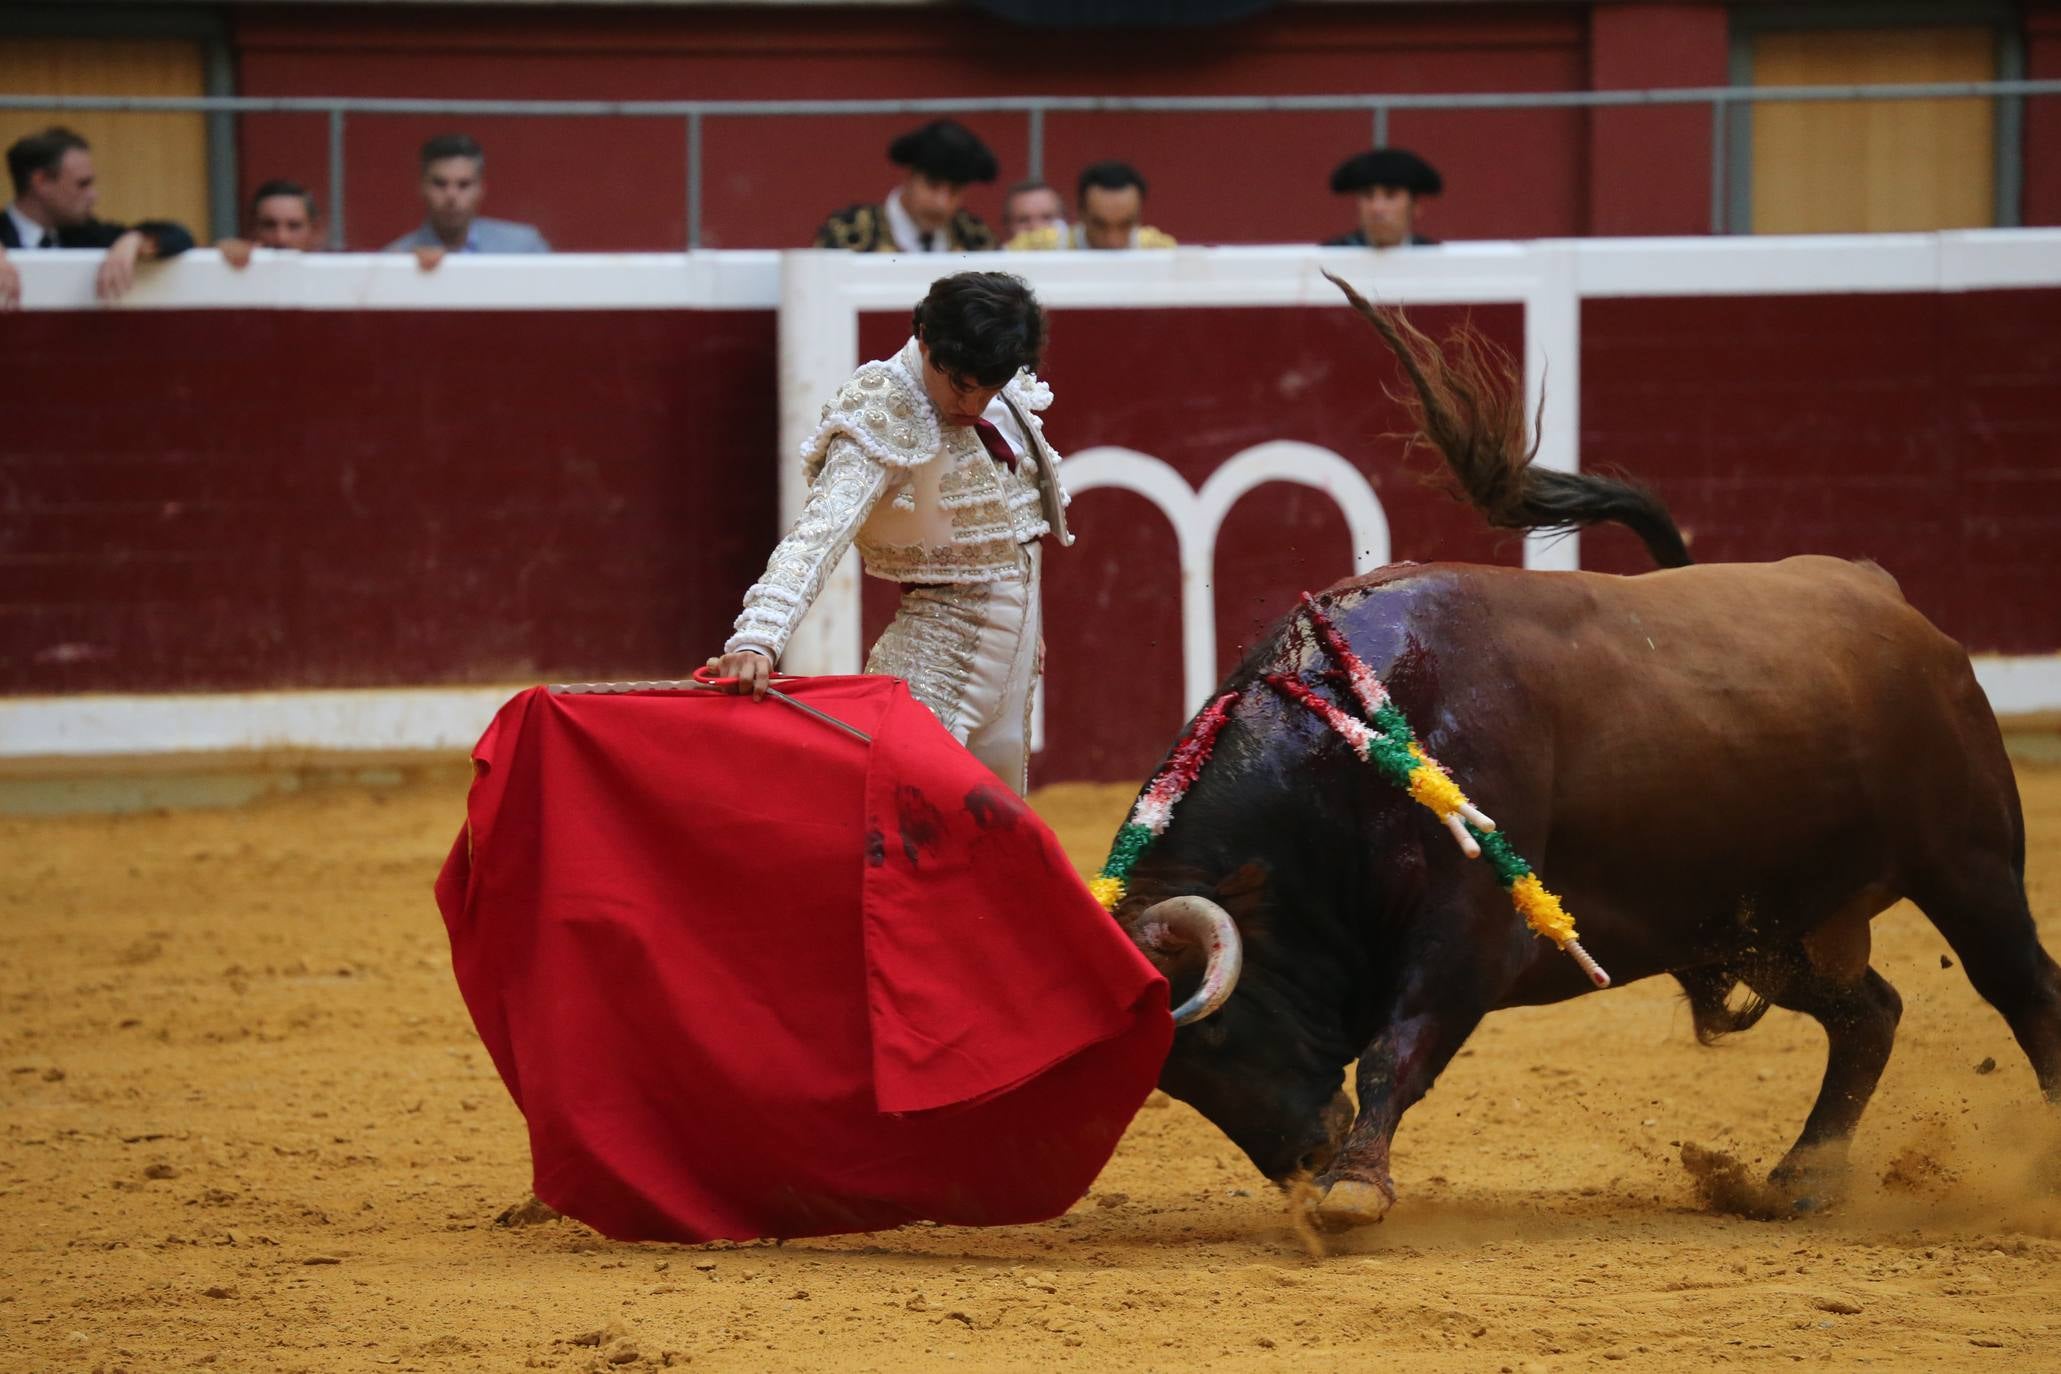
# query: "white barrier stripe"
200,280
453,718
1269,274
381,719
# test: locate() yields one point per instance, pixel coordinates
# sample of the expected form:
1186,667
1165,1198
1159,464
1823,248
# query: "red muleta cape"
746,976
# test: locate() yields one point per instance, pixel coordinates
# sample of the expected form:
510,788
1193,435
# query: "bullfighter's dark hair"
453,145
40,153
280,186
1108,176
981,326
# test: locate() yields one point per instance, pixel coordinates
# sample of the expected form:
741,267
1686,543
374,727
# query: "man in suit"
1390,185
54,195
925,213
453,184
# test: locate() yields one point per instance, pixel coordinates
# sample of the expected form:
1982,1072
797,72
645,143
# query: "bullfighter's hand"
752,669
10,284
236,252
428,258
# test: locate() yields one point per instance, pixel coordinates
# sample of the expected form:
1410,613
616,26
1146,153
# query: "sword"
699,683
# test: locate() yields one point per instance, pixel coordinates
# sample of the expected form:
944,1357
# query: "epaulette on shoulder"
1027,391
1148,237
882,411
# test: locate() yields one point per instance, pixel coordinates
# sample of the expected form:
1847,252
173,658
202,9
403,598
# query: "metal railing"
1721,100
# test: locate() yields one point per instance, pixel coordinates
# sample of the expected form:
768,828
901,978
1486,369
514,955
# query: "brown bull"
1725,770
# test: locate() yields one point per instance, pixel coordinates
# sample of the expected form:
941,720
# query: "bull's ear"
1244,880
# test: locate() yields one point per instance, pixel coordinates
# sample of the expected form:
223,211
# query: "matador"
934,463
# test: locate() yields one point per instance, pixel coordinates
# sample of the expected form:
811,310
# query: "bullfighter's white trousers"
970,651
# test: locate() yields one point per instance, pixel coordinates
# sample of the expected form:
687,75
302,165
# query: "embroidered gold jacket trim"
922,501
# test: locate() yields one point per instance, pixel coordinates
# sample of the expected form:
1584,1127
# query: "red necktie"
991,439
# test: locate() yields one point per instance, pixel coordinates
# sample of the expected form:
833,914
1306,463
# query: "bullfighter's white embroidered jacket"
922,500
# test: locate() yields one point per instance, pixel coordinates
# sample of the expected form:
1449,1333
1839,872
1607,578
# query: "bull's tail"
1467,401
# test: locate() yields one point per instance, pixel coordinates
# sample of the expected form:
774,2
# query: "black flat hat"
1397,167
946,150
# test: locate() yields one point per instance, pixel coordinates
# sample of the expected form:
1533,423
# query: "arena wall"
620,184
336,502
605,185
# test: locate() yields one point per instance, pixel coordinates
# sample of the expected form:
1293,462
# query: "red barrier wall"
1649,169
226,499
1916,430
2042,151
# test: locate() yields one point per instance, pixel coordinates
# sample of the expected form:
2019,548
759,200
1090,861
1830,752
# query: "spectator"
925,214
54,195
1032,205
453,184
1391,184
1111,202
282,215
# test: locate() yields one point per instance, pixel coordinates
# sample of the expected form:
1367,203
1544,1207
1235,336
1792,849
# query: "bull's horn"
1199,921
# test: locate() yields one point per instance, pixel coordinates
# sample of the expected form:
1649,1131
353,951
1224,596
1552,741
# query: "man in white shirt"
454,171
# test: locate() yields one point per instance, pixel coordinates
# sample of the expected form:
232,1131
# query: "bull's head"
1249,1062
1249,904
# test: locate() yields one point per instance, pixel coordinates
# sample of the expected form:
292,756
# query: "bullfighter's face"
1388,215
959,400
932,201
1109,217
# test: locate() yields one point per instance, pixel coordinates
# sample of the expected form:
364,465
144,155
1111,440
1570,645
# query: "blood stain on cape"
921,823
994,807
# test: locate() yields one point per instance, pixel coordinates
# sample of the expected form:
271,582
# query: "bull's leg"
1983,914
1827,978
1395,1070
1709,990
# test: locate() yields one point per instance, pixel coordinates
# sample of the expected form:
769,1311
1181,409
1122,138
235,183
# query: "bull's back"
1672,714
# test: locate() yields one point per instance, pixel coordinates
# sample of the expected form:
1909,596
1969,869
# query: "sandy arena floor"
247,1126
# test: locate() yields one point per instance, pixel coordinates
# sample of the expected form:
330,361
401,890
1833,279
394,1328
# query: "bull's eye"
1211,1033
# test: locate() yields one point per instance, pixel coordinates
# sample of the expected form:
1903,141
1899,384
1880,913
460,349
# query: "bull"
1726,771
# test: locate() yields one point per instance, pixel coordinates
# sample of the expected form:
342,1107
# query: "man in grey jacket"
453,184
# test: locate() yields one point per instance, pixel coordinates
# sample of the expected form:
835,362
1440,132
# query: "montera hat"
946,150
1396,167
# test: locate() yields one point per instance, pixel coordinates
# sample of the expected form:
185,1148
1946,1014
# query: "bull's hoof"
1810,1193
1810,1189
1353,1202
